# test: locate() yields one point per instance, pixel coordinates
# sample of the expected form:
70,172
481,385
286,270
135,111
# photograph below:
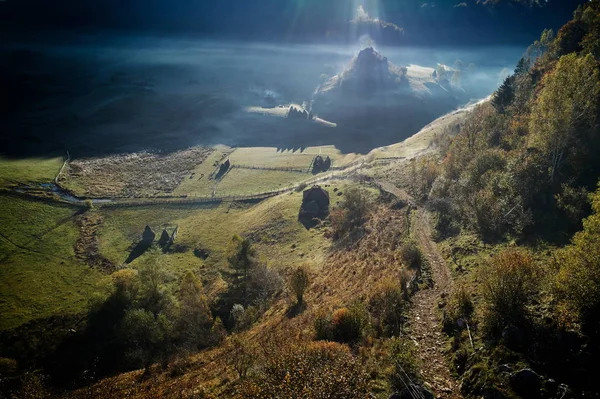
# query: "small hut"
315,202
148,236
164,238
320,164
225,166
223,169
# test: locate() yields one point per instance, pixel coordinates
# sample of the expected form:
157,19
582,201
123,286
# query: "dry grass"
341,276
132,175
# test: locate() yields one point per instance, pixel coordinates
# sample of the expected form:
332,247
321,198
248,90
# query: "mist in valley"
108,93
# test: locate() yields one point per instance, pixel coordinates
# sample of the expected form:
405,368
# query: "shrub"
577,284
386,306
351,213
461,298
411,255
299,282
89,205
405,367
323,327
307,370
508,282
241,355
347,324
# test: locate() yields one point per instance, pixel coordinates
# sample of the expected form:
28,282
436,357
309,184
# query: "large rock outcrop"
373,92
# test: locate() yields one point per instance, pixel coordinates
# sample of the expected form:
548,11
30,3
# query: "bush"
307,370
386,307
299,282
411,255
323,327
403,357
508,282
351,213
345,325
241,355
577,284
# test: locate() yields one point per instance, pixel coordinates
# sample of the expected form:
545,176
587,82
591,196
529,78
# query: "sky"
423,22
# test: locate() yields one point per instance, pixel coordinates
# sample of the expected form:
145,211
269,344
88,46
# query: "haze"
113,93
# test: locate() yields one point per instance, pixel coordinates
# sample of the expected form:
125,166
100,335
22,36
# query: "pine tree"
522,67
504,96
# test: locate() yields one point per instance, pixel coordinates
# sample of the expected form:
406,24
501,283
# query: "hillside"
462,262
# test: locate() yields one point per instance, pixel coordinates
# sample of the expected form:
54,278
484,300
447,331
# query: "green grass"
198,184
31,170
274,158
39,274
273,226
252,181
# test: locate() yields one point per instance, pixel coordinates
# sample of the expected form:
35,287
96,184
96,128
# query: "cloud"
364,19
463,4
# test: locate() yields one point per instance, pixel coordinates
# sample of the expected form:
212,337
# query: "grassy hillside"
34,170
40,275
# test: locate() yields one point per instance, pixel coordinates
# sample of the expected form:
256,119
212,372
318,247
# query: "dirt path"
424,323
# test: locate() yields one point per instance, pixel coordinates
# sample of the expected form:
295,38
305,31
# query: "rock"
201,253
526,383
413,391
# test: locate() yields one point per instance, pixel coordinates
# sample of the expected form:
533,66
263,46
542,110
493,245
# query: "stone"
526,383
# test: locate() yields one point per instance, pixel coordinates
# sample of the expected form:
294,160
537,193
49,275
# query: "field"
277,158
39,274
131,175
32,170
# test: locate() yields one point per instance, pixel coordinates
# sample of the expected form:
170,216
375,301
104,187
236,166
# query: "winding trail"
424,326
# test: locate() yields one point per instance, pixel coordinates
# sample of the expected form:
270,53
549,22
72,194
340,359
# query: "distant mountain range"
412,22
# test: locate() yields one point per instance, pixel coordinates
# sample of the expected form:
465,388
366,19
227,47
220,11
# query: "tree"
504,96
242,258
299,282
508,282
194,321
148,337
578,281
566,109
241,354
522,67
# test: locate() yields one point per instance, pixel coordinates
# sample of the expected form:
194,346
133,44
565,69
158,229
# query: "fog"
108,94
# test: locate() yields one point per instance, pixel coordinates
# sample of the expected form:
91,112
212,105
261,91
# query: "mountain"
374,92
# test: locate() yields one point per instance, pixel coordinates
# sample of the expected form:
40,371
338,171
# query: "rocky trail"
424,326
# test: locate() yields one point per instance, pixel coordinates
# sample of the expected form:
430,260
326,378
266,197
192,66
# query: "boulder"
526,383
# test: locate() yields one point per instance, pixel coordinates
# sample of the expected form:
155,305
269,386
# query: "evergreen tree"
504,96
